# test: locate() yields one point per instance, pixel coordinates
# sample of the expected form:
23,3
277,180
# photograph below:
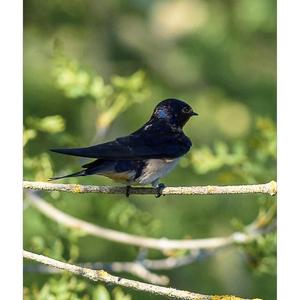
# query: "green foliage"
129,217
101,293
110,99
251,159
261,254
68,287
39,166
49,124
28,135
206,160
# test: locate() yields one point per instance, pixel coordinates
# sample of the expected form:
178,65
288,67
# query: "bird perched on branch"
144,156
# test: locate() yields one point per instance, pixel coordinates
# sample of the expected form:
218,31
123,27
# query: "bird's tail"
76,174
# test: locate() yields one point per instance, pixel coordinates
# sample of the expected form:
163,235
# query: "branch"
138,268
134,268
130,239
176,262
264,188
102,276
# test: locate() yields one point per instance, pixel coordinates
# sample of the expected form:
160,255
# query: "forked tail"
76,174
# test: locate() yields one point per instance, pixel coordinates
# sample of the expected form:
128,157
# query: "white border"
288,149
11,149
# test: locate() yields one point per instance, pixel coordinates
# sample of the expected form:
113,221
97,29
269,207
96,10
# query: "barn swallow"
144,156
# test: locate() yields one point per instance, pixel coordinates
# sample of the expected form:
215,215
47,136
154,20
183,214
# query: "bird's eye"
186,110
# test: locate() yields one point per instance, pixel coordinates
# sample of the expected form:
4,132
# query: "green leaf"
101,293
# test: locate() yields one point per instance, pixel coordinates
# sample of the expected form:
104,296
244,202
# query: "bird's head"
174,111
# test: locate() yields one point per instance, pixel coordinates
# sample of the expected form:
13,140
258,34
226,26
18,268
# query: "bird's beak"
194,114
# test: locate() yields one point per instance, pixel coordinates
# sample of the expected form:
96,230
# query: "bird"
144,156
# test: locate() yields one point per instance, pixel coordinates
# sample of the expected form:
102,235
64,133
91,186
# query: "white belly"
155,169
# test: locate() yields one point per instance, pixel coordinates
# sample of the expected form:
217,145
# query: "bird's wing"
143,144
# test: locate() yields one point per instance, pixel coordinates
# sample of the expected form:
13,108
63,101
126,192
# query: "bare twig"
176,262
134,268
102,276
139,268
130,239
265,188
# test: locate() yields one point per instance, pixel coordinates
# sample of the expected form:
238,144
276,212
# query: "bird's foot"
159,190
128,187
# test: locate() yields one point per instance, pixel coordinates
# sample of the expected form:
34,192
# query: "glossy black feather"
154,140
76,174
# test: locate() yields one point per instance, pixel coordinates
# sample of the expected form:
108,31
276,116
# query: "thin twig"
170,263
134,268
105,277
138,268
135,240
265,188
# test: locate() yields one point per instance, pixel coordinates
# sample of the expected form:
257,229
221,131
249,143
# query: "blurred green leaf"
120,295
28,135
261,254
110,99
101,293
49,124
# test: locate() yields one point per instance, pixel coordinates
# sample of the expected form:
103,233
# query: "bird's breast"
155,169
123,177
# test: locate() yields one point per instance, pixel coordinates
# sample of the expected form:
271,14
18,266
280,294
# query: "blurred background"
94,70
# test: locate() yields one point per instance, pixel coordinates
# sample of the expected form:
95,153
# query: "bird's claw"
128,190
159,190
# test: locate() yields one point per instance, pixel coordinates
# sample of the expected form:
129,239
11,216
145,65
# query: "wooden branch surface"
264,188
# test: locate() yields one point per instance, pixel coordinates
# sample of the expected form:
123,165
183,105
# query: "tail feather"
76,174
91,152
98,166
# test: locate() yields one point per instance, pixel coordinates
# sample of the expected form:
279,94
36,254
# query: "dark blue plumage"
145,155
